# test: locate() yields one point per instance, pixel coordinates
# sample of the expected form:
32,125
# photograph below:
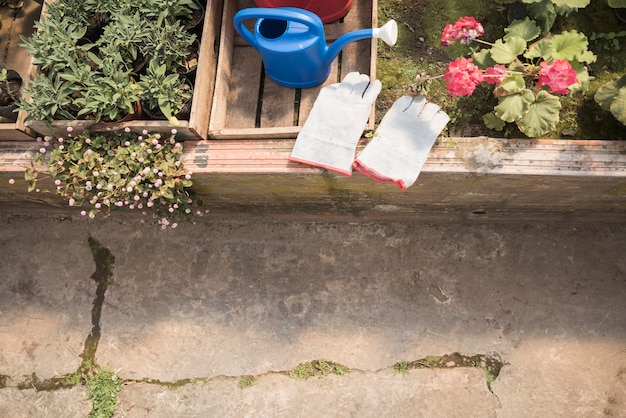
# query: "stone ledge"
463,178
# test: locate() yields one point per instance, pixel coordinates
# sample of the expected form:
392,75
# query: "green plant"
122,40
55,42
319,368
108,97
48,97
402,367
169,9
544,12
164,92
170,44
528,74
97,79
617,4
302,371
611,96
102,388
103,172
246,381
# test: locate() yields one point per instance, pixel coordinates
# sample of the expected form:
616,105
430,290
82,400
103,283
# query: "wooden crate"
197,125
247,104
16,58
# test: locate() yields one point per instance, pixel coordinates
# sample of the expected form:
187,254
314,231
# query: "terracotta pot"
327,10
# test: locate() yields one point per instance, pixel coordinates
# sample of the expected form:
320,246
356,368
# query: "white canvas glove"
402,142
330,134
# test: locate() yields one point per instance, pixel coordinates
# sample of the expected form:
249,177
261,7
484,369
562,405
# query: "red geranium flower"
462,77
466,29
495,74
558,76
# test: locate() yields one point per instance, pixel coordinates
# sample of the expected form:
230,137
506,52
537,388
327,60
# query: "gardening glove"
402,142
330,134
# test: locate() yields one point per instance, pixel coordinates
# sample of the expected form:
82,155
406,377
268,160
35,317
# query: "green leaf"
541,49
572,3
525,29
618,106
483,59
582,75
513,107
544,13
492,121
513,83
542,115
617,3
607,92
569,45
506,52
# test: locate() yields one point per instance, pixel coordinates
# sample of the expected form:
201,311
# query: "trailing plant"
103,172
528,73
545,12
611,96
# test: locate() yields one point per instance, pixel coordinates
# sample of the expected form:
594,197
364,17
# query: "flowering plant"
527,77
101,172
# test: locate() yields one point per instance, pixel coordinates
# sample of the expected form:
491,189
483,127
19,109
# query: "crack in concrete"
103,276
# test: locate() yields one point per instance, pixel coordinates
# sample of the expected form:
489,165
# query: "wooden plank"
277,106
308,96
219,109
243,96
207,69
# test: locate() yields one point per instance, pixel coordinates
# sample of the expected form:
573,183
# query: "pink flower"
11,181
447,37
462,77
495,74
466,29
558,76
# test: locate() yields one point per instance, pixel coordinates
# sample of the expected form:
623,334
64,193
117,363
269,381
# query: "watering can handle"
289,14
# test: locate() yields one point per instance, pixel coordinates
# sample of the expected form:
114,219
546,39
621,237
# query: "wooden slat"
277,108
219,107
308,96
242,99
206,71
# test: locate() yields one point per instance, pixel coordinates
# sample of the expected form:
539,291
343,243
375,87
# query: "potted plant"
10,90
164,96
97,80
99,173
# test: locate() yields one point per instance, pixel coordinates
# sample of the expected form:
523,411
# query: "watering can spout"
388,33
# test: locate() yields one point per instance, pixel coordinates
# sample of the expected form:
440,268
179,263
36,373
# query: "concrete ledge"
463,178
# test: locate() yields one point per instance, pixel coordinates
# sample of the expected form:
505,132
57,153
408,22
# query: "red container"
327,10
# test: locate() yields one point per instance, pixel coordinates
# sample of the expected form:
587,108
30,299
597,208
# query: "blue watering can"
292,44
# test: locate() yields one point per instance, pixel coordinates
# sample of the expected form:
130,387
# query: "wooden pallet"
15,24
247,104
197,125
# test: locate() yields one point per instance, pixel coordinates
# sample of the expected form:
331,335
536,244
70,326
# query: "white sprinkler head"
388,33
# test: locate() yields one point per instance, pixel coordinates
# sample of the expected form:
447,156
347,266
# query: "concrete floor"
202,305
